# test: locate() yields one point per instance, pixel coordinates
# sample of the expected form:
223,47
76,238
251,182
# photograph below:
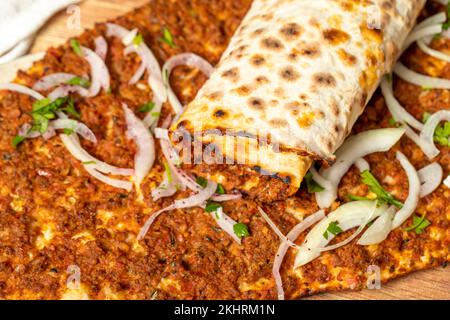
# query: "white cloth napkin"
20,19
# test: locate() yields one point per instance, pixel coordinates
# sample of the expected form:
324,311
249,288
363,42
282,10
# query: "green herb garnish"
68,131
44,111
352,197
419,224
392,122
168,38
156,114
76,47
89,162
212,206
446,25
220,189
312,185
333,228
17,140
240,230
138,40
442,132
382,195
78,81
147,107
202,182
168,172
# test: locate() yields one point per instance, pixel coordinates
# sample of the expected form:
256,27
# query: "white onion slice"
355,147
145,155
21,89
161,133
319,179
225,223
65,90
362,164
430,178
115,30
379,230
438,18
447,181
101,47
431,52
150,221
420,79
348,216
395,108
282,250
189,59
100,77
422,33
197,199
129,37
53,80
226,197
427,133
121,184
275,229
413,192
76,126
427,148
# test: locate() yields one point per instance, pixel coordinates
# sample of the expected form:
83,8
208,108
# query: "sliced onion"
430,178
138,74
427,133
115,30
65,90
165,189
379,230
128,39
275,229
355,147
413,192
101,47
21,89
282,250
362,164
150,221
447,181
121,184
189,59
53,80
427,148
76,126
100,77
226,197
319,179
436,19
152,117
197,199
25,132
422,33
348,216
145,155
161,133
420,79
50,133
74,147
431,52
397,111
225,223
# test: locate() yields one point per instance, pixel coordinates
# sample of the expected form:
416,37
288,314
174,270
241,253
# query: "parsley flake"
240,230
333,228
374,186
419,224
168,38
147,107
78,81
17,140
212,206
220,189
312,185
76,47
202,182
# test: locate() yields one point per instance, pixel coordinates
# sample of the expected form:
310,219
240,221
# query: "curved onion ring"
413,192
166,188
431,52
197,199
362,164
226,197
276,230
225,223
150,221
447,181
354,148
397,111
101,47
21,89
425,146
430,178
121,184
189,59
65,90
74,125
282,250
420,79
145,155
427,133
100,77
53,80
348,216
25,132
438,18
422,33
379,230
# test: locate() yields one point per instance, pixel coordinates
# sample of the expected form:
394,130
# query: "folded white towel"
20,19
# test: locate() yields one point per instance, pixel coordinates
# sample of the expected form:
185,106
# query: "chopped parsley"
419,224
312,185
352,197
78,81
393,123
374,186
446,25
333,228
442,132
89,162
240,230
68,131
76,47
212,206
168,172
220,189
202,182
138,40
168,38
147,107
156,114
17,140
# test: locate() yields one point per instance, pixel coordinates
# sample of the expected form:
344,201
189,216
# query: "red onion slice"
21,89
53,80
282,250
413,192
427,133
100,77
114,30
65,90
197,199
430,178
165,189
275,229
76,126
150,221
101,47
226,197
145,155
121,184
225,223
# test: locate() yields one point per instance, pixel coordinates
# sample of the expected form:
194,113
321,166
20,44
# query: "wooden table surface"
430,284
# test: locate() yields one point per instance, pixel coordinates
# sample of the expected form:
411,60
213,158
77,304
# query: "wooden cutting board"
430,284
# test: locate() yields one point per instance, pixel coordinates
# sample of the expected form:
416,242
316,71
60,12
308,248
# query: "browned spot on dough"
256,103
258,31
291,31
386,5
308,49
243,90
278,123
271,43
257,60
335,36
219,113
305,119
324,79
347,58
334,108
261,80
214,95
280,93
232,74
289,73
375,35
